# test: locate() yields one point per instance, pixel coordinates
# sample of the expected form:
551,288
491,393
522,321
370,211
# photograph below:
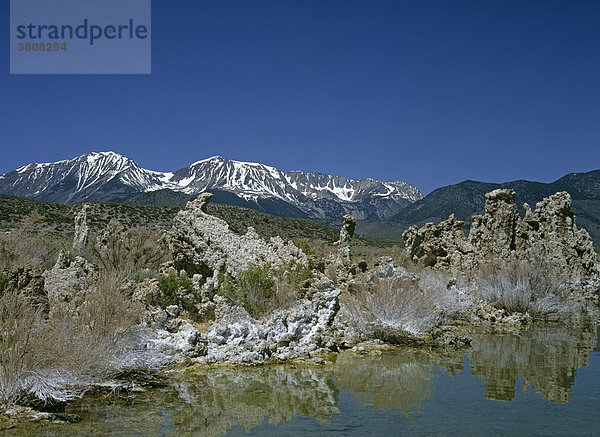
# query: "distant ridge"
467,198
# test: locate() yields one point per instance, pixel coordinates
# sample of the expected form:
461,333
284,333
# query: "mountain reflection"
547,357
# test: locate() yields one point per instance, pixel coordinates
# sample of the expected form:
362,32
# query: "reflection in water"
546,356
210,401
399,380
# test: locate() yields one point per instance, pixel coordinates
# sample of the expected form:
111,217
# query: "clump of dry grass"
20,328
449,294
291,282
52,355
525,287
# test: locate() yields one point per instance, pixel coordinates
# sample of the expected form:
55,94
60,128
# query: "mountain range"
384,209
109,176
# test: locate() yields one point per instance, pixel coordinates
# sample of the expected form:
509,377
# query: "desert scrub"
20,327
7,257
389,309
304,245
295,273
141,275
316,249
448,293
170,286
253,289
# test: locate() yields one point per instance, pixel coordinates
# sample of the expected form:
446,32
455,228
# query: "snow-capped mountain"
110,176
92,176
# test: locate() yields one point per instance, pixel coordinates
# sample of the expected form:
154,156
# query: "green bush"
298,273
3,281
170,284
253,289
304,245
261,289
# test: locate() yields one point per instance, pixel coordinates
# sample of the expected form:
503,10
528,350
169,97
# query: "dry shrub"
389,308
401,257
286,293
290,283
26,246
449,294
531,287
315,249
91,339
52,359
107,307
522,287
127,251
20,327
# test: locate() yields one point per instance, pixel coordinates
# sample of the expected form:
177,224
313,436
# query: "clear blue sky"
430,92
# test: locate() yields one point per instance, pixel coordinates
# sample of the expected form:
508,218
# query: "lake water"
542,381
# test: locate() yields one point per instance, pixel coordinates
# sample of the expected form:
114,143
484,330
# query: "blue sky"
430,92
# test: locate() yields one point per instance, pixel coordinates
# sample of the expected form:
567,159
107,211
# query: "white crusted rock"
203,244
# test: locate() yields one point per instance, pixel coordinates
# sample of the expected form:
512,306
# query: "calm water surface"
543,381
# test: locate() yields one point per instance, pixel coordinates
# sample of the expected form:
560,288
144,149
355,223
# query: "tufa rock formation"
68,280
82,229
205,248
26,281
296,333
203,244
346,234
547,235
